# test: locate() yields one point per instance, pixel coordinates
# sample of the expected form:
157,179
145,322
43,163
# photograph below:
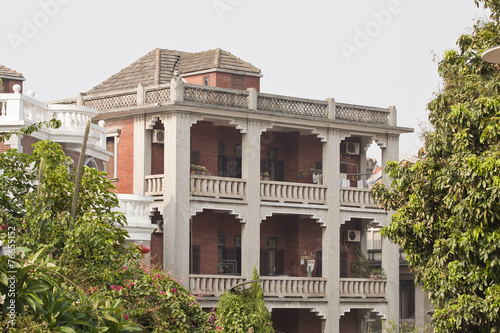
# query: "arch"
200,209
220,121
91,163
290,211
320,134
151,121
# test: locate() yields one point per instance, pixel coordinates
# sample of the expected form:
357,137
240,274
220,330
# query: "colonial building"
241,179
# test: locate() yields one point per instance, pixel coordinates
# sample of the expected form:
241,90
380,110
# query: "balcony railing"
362,288
218,187
215,97
213,285
293,287
299,287
154,185
136,210
356,197
17,110
292,192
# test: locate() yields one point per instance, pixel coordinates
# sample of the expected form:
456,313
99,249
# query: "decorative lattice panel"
284,105
112,102
215,97
356,113
158,96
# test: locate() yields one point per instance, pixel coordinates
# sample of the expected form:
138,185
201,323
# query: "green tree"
244,311
447,205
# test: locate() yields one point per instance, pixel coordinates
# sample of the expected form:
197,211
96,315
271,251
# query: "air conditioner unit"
352,236
158,136
351,148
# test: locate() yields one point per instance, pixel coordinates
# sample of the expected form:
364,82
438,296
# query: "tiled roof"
7,72
157,67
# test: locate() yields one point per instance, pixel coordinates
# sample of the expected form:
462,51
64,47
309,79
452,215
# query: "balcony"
136,210
18,110
357,197
292,192
292,287
218,187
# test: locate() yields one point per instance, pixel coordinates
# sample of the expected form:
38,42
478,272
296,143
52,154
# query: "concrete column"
390,251
176,195
331,234
139,154
331,108
250,170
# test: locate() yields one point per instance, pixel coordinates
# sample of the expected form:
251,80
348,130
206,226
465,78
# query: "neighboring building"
301,227
18,110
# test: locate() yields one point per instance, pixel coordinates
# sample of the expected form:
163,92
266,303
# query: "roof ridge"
12,70
157,65
217,58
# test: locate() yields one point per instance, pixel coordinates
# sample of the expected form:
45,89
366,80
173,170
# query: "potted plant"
204,171
192,168
198,169
266,175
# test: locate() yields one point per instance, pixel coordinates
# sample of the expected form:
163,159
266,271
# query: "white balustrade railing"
136,210
362,288
218,187
212,285
292,192
293,287
357,197
154,185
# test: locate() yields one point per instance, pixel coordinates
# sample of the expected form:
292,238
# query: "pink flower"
174,290
113,286
125,268
4,227
125,316
119,288
219,328
162,292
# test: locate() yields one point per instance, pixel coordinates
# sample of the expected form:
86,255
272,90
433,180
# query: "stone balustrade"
362,288
277,286
212,285
356,197
292,192
18,110
242,100
154,185
284,286
218,187
136,210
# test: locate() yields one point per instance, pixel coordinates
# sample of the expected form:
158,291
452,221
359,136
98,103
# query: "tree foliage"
244,311
448,203
70,283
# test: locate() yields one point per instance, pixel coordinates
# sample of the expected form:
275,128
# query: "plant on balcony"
198,169
360,267
192,168
266,175
204,171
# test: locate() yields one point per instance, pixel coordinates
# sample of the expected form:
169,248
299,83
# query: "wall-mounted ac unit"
158,136
352,236
351,148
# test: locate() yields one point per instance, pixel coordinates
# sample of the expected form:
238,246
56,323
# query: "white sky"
311,49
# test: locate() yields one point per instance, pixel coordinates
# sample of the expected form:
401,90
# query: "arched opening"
215,243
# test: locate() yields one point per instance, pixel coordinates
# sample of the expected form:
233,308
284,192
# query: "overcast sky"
369,52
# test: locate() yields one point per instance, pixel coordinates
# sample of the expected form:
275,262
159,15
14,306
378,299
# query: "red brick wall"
296,321
110,167
157,249
224,80
349,322
27,144
299,152
205,138
9,84
205,228
294,237
3,147
157,153
349,247
125,154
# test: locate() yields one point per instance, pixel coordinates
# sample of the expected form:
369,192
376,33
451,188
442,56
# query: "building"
285,189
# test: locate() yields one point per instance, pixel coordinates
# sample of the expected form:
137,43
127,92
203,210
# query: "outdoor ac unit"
158,136
352,236
351,148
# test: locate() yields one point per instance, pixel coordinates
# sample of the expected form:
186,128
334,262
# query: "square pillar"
176,195
250,170
331,234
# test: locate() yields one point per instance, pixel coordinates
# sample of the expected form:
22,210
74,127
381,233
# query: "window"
206,80
112,140
407,299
